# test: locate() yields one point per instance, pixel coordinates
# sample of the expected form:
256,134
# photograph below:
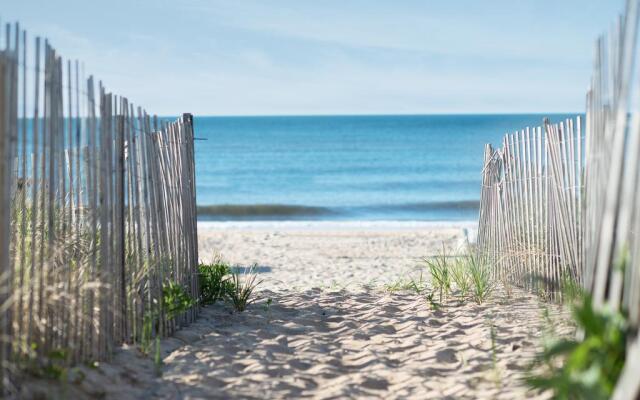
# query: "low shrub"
215,281
175,299
588,368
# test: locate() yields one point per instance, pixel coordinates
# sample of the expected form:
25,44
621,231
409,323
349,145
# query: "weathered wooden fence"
530,207
97,212
572,208
612,205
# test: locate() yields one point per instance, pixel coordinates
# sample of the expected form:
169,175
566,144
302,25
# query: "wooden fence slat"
5,239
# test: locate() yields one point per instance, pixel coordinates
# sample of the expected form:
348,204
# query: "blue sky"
330,57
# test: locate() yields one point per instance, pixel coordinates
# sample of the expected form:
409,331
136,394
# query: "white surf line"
469,227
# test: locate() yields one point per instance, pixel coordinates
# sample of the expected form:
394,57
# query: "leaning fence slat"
5,240
23,193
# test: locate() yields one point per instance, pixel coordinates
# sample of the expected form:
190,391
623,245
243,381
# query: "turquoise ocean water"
423,167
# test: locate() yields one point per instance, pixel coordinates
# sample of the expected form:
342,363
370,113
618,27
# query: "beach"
305,200
330,321
344,254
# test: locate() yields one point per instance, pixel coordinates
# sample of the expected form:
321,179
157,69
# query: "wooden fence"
571,208
530,207
97,213
612,205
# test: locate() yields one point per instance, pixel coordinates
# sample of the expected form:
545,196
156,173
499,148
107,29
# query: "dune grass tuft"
439,269
461,278
482,283
242,287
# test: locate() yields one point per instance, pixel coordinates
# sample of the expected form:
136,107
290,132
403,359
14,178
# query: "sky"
212,57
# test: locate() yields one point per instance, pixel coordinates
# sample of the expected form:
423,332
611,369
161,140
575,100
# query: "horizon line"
377,115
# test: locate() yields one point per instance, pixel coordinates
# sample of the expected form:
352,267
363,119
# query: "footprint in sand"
447,356
375,383
362,349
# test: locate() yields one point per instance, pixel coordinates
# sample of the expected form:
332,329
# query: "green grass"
439,269
417,285
219,281
432,302
401,284
461,278
214,280
468,274
588,368
481,281
157,358
571,290
494,354
175,299
242,288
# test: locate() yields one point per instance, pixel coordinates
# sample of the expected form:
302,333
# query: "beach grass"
482,282
465,274
439,269
241,290
461,278
236,285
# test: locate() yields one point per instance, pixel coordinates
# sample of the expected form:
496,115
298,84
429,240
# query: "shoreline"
337,224
468,229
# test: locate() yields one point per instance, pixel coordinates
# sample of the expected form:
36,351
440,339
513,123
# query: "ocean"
364,168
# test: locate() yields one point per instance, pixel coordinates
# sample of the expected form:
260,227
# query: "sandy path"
344,344
332,331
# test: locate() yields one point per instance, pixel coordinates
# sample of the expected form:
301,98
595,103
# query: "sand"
332,330
302,255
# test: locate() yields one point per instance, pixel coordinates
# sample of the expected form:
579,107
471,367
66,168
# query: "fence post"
190,179
120,250
5,169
